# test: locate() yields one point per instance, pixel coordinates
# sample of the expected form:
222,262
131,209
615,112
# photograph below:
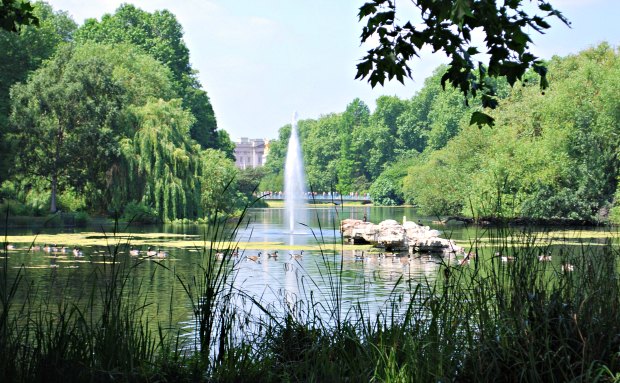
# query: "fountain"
294,183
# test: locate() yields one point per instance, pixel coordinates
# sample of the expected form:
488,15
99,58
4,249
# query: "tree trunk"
53,202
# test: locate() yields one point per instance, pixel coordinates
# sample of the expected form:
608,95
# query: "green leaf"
481,119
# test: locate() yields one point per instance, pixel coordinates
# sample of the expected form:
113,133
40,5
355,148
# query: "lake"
275,282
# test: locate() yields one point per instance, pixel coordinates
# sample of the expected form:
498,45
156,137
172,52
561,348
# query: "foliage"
23,52
138,212
67,109
218,190
387,189
122,137
552,158
448,26
160,35
248,181
15,14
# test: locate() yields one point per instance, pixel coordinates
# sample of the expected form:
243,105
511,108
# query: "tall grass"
518,321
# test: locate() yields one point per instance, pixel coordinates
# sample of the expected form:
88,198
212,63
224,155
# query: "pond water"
275,282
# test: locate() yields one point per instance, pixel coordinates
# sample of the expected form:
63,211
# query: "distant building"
251,153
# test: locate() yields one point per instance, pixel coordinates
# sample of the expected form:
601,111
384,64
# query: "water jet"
294,183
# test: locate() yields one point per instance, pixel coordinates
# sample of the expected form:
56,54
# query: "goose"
151,253
567,267
235,252
77,252
405,260
35,248
10,246
161,253
219,254
297,256
504,258
273,255
359,257
254,258
47,248
134,252
544,258
468,258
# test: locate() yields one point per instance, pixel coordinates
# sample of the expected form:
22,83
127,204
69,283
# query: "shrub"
138,212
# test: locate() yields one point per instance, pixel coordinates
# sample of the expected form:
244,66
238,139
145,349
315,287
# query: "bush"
69,200
386,192
138,212
14,208
81,218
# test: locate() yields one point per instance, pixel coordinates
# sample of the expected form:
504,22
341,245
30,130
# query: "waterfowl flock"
76,251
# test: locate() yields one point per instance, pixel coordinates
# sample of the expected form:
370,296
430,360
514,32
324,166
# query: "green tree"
24,52
160,35
355,117
64,118
554,156
219,183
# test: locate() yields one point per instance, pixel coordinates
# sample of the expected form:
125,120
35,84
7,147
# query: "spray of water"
294,182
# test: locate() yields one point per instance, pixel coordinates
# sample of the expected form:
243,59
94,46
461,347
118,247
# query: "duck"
254,258
77,252
297,256
134,252
273,255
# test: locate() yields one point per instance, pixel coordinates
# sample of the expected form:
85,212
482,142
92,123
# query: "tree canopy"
160,35
110,116
551,156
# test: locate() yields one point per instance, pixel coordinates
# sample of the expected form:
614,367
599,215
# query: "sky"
261,61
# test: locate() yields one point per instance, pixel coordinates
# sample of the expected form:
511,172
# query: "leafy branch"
447,26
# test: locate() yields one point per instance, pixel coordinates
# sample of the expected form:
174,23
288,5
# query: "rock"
391,235
357,231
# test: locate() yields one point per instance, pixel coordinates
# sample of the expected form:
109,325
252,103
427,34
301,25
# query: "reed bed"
504,317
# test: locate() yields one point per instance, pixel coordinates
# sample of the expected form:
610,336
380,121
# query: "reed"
491,320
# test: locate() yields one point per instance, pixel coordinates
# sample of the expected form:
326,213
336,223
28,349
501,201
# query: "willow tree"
168,171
